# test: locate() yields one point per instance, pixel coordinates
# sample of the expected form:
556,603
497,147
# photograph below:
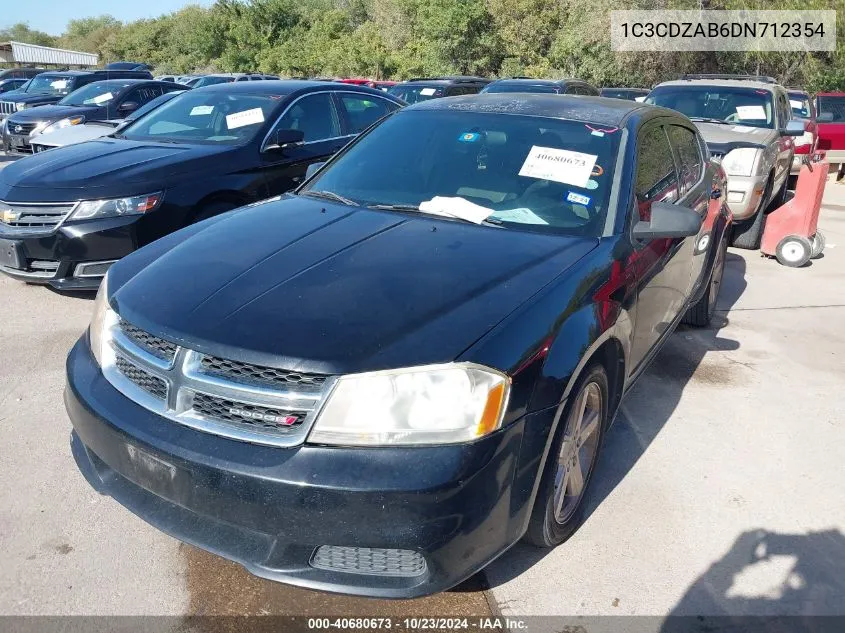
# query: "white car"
94,129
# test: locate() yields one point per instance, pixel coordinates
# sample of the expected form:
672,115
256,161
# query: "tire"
817,246
794,251
780,199
546,527
701,313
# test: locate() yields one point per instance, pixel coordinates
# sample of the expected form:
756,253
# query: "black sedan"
66,215
378,384
98,101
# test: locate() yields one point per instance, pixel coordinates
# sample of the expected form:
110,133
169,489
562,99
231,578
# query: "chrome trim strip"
40,274
18,231
81,267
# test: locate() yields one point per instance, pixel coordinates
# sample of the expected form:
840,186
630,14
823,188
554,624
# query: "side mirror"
793,128
668,221
313,168
128,106
824,117
285,139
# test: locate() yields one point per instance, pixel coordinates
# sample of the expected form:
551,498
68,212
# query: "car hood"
76,134
32,98
108,166
51,113
717,134
319,287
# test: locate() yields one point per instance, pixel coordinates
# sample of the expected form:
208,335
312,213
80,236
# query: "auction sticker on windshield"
247,117
751,112
559,165
103,97
199,110
427,92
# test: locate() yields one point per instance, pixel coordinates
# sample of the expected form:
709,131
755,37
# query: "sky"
52,16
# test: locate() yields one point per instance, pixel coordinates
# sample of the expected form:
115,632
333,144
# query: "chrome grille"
369,560
145,380
152,344
7,107
25,128
33,218
253,404
262,419
247,373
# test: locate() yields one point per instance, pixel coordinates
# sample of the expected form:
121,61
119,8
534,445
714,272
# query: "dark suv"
423,89
547,86
52,86
20,73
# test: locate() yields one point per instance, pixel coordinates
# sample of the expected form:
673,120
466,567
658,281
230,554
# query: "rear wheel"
817,245
702,312
794,251
559,507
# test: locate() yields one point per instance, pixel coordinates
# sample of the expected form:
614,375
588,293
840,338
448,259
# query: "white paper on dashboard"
559,165
751,112
107,96
521,215
247,117
427,92
59,84
796,105
198,110
456,208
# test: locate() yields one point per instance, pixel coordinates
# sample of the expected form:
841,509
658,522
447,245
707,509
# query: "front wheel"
559,507
749,233
794,251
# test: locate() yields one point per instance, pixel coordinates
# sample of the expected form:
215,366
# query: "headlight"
58,125
20,106
103,320
740,162
115,207
437,404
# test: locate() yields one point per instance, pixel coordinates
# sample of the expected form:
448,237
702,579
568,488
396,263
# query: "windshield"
526,87
742,106
415,94
210,81
152,105
205,117
621,93
98,94
518,172
51,84
800,104
833,106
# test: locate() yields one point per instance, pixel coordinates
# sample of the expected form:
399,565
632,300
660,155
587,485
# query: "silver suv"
746,122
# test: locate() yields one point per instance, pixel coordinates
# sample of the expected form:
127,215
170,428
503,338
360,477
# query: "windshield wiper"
413,207
330,195
701,119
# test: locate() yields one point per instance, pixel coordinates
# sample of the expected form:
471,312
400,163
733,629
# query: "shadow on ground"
649,406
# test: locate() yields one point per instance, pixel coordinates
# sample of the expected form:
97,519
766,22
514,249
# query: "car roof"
601,110
116,72
450,79
284,87
732,83
626,88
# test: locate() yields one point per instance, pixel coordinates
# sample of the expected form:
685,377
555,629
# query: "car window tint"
314,115
363,111
656,177
689,155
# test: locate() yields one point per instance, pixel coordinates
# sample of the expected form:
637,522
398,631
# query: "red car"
804,110
830,115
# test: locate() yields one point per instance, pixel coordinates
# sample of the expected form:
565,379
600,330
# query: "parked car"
20,73
378,384
630,94
66,215
50,87
98,101
7,85
747,124
170,78
805,145
222,78
558,86
830,117
90,130
128,66
422,89
193,81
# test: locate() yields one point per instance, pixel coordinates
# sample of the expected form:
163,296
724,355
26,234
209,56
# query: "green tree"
21,32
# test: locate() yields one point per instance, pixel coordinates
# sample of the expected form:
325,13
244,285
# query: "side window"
688,151
143,95
656,177
572,89
314,115
363,110
785,110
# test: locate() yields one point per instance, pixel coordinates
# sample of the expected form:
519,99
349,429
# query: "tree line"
398,39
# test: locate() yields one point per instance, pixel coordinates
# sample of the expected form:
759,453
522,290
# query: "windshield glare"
520,172
740,106
51,84
97,94
415,94
205,117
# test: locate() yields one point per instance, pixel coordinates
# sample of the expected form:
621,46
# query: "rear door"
662,266
785,144
316,116
359,111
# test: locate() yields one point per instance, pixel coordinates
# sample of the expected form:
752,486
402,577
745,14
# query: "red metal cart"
791,232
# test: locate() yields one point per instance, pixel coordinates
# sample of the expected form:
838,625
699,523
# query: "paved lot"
719,489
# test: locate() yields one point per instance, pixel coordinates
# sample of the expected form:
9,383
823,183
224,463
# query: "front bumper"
54,258
270,508
745,195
